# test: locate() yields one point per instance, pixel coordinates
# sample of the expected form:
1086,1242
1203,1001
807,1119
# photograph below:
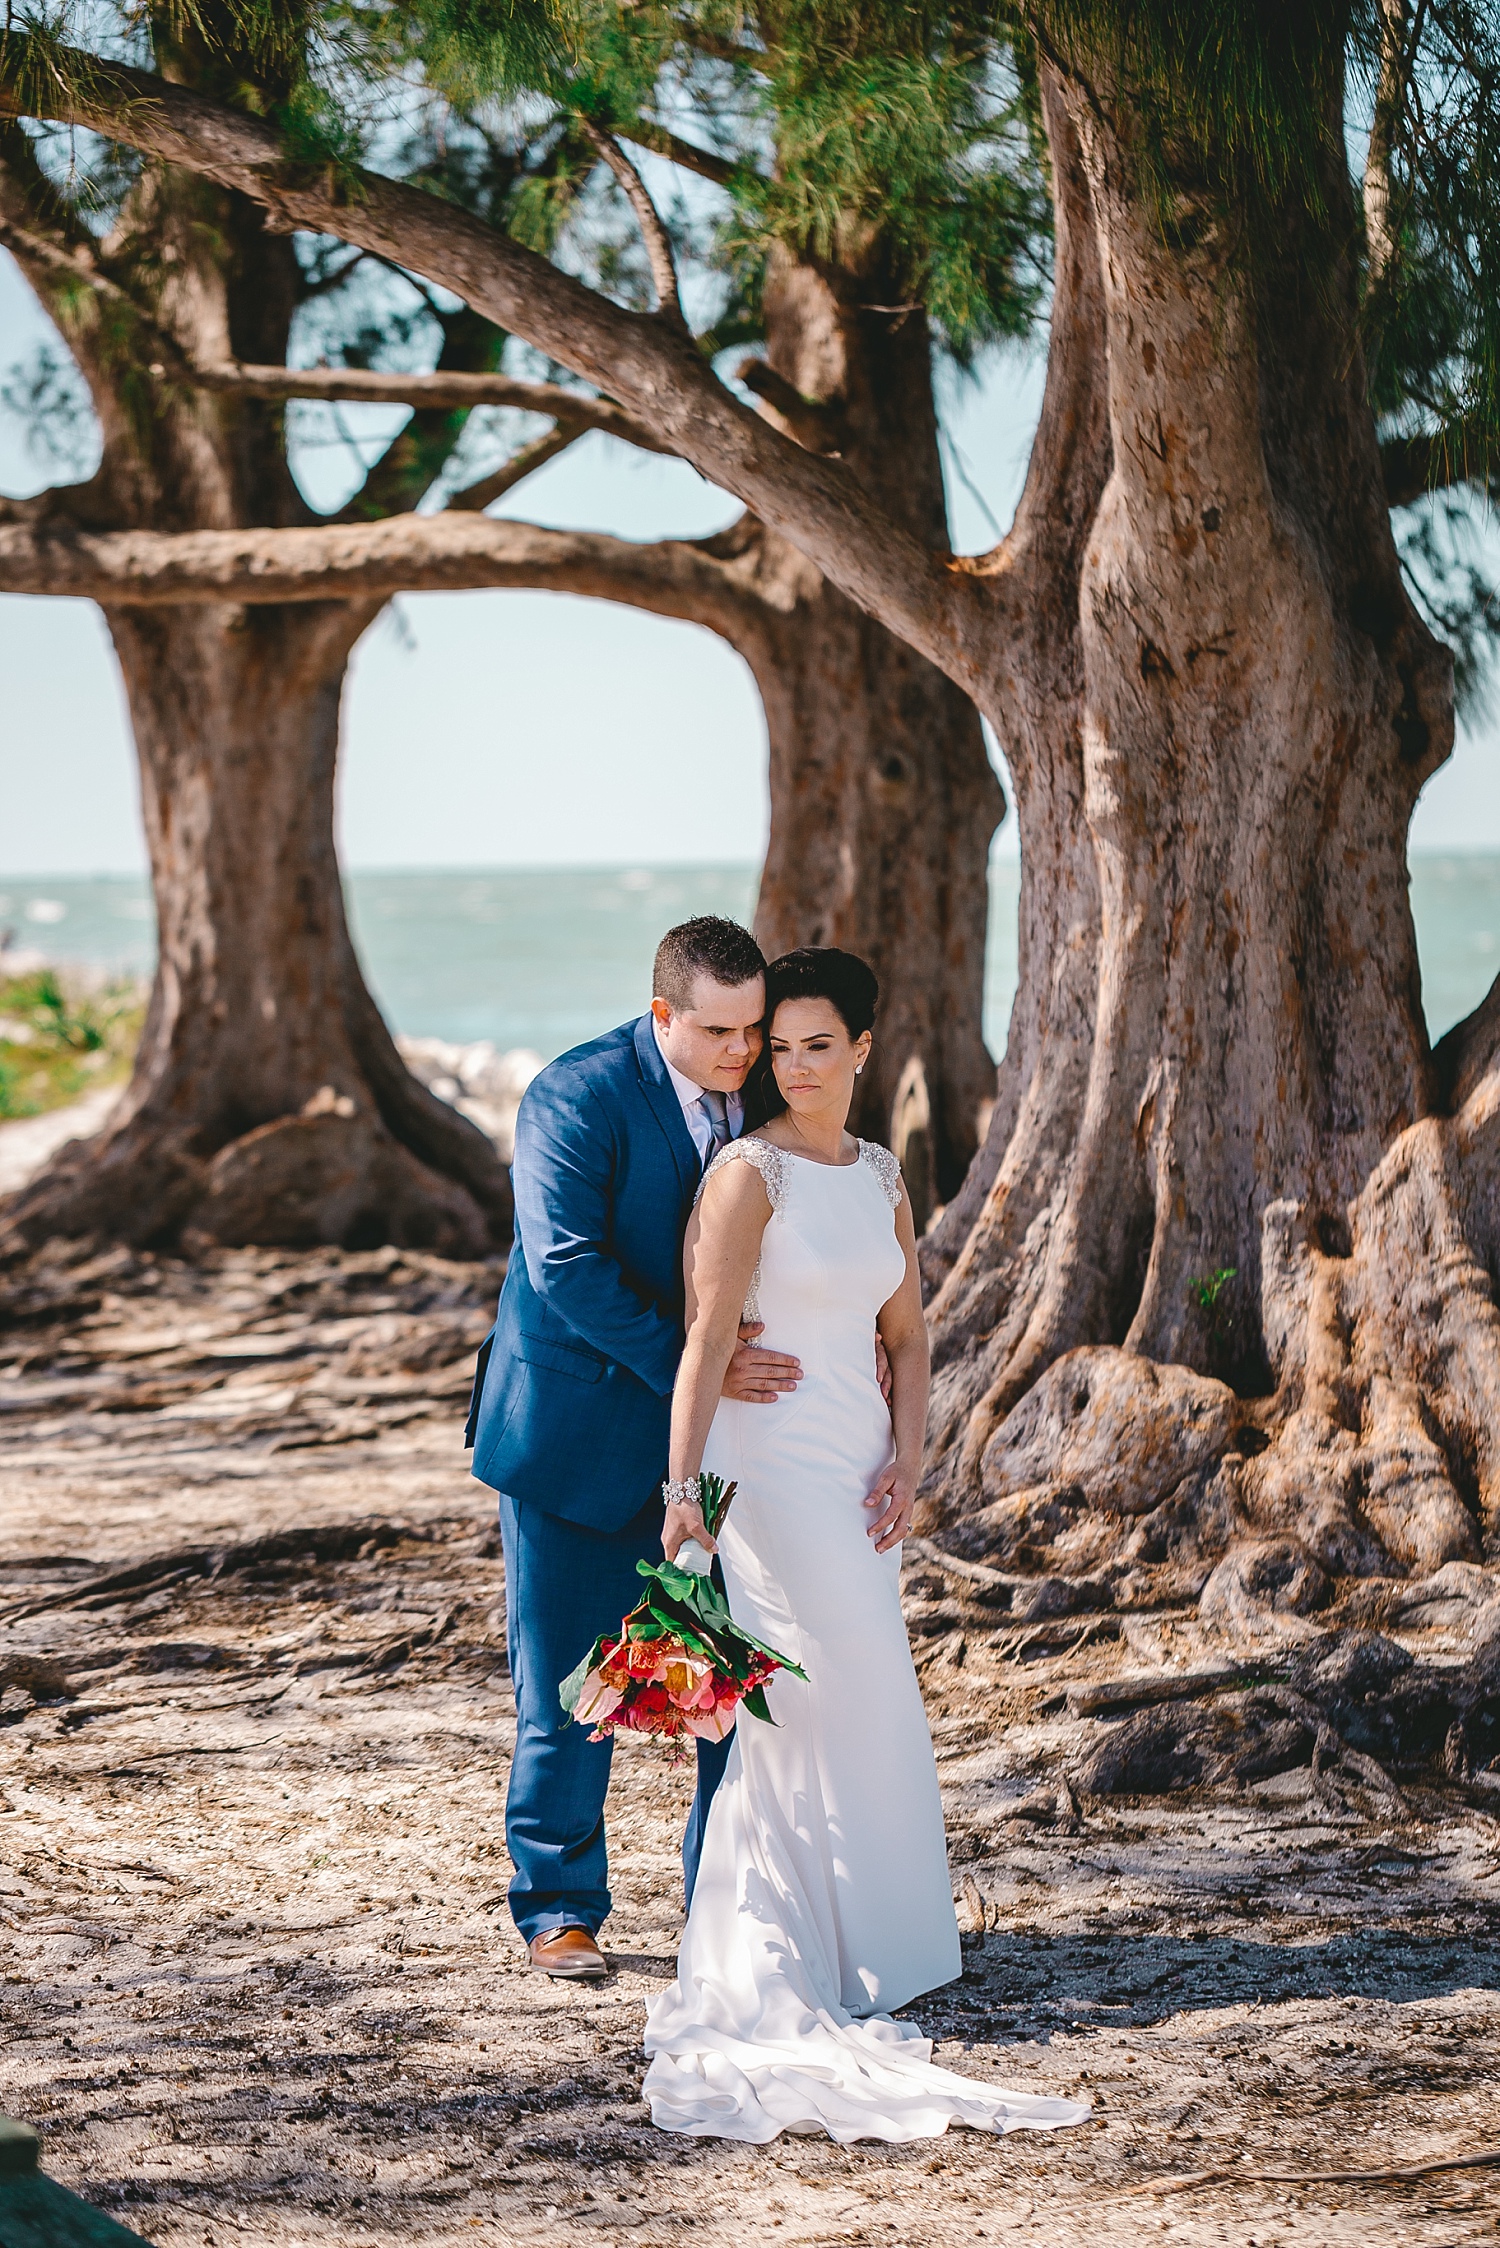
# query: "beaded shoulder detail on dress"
886,1169
768,1160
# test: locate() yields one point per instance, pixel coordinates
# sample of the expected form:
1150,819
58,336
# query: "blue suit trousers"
564,1584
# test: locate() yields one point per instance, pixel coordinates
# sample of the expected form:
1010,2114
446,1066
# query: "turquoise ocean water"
544,956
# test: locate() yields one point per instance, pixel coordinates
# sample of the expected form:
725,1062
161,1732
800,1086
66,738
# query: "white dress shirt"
694,1114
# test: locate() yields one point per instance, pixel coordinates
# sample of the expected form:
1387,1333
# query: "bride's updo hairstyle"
815,971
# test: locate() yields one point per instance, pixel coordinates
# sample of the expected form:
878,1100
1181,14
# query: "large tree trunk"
883,803
268,1102
883,798
1219,726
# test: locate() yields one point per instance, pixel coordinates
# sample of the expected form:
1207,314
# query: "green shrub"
57,1041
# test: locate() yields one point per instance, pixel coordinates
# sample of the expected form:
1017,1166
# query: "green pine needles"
898,144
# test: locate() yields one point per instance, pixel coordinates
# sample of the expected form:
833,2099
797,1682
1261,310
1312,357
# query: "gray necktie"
716,1108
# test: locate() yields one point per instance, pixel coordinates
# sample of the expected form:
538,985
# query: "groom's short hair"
706,946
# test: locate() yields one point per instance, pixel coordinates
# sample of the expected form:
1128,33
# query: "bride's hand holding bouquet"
685,1522
679,1662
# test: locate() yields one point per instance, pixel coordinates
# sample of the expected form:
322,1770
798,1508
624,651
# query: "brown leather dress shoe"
568,1955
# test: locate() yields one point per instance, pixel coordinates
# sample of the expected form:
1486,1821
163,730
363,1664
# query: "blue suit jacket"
574,1392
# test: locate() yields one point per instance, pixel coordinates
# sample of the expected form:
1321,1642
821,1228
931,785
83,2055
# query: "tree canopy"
905,138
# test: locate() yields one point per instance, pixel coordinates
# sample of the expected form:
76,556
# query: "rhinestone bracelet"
686,1492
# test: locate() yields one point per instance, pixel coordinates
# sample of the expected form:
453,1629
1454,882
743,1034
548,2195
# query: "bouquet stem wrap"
679,1663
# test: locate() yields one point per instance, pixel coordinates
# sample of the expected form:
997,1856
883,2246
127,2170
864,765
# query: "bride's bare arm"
904,1330
718,1258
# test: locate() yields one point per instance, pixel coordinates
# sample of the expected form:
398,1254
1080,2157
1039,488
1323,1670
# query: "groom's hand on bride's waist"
757,1376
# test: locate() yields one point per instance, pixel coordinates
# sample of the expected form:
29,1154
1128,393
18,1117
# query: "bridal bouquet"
679,1662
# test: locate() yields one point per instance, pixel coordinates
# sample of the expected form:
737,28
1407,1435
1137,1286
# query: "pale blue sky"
516,728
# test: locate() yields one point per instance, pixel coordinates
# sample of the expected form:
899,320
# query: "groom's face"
715,1040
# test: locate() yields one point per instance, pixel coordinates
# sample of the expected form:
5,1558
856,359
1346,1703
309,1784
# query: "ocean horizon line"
14,881
1425,853
541,956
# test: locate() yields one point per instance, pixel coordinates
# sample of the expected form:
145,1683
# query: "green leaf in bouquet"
698,1596
664,1599
755,1701
692,1640
678,1582
572,1686
748,1642
682,1594
738,1645
707,1611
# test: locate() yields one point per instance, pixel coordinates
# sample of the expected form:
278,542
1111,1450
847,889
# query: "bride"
823,1897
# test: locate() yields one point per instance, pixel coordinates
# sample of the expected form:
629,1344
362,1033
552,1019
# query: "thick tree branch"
710,582
646,133
445,390
1397,51
818,427
648,219
474,498
952,615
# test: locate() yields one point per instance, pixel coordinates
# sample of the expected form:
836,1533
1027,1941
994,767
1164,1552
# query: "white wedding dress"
823,1896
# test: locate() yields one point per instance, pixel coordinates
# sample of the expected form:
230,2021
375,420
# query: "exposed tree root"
329,1541
1110,1696
1359,1498
1125,1488
1395,2174
1354,1702
1263,1629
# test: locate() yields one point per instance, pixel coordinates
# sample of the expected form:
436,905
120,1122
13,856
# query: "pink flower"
685,1676
714,1724
597,1698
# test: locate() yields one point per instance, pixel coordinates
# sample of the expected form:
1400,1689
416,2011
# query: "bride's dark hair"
814,971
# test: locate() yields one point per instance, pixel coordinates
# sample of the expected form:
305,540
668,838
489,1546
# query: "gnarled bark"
268,1102
1241,1169
883,800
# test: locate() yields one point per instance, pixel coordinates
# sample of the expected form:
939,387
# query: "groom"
573,1396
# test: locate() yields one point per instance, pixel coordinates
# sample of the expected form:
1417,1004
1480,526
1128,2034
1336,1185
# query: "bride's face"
814,1057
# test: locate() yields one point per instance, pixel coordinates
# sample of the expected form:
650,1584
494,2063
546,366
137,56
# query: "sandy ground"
259,1981
26,1145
